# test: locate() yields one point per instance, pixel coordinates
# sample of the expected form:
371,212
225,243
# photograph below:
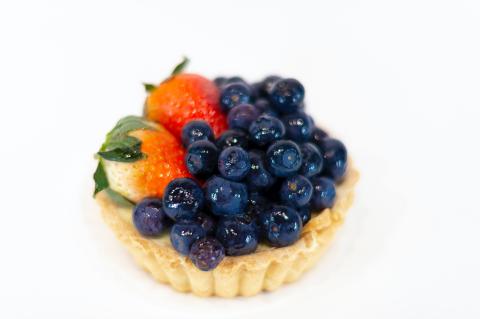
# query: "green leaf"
124,149
100,178
119,199
128,124
181,66
125,155
121,147
149,87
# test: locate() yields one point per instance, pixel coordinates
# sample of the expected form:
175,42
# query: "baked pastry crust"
265,270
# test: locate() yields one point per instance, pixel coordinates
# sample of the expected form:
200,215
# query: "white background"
398,81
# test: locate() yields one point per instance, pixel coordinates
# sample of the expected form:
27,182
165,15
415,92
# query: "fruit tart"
223,188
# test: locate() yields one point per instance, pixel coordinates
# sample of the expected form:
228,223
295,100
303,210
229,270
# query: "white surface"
397,81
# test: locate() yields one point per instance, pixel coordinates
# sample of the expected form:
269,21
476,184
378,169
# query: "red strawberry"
182,98
139,158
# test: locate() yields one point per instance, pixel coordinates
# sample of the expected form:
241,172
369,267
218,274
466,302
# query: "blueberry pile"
259,181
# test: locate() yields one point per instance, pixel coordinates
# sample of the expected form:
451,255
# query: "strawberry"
138,159
184,97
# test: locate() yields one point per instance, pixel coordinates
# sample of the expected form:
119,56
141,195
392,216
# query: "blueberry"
286,95
323,193
257,203
259,178
299,126
195,131
235,79
296,191
149,218
241,116
207,253
266,129
318,135
334,158
226,197
182,199
267,85
283,158
312,160
257,199
280,225
232,138
201,158
234,94
206,221
238,235
263,106
234,163
256,90
219,81
184,233
305,214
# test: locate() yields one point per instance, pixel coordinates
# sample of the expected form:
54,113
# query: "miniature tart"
265,270
224,188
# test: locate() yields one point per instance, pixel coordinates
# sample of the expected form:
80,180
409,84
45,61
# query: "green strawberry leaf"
126,150
180,67
119,199
121,147
128,124
149,87
100,178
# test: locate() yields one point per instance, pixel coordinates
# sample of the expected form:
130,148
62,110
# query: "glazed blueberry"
257,203
241,116
296,191
182,199
266,129
207,253
226,198
283,158
299,126
323,193
267,85
195,131
234,163
149,218
235,79
201,158
286,95
232,138
305,214
256,90
259,178
238,235
234,94
184,233
219,81
263,106
334,158
312,160
280,225
318,135
206,221
256,199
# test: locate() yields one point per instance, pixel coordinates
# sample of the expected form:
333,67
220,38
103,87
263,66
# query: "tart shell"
265,270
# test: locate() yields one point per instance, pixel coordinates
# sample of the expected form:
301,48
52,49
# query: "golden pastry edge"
235,276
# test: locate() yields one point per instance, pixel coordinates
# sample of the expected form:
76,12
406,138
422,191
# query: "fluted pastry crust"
266,269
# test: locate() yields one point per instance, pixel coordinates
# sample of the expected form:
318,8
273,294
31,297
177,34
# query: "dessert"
223,187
